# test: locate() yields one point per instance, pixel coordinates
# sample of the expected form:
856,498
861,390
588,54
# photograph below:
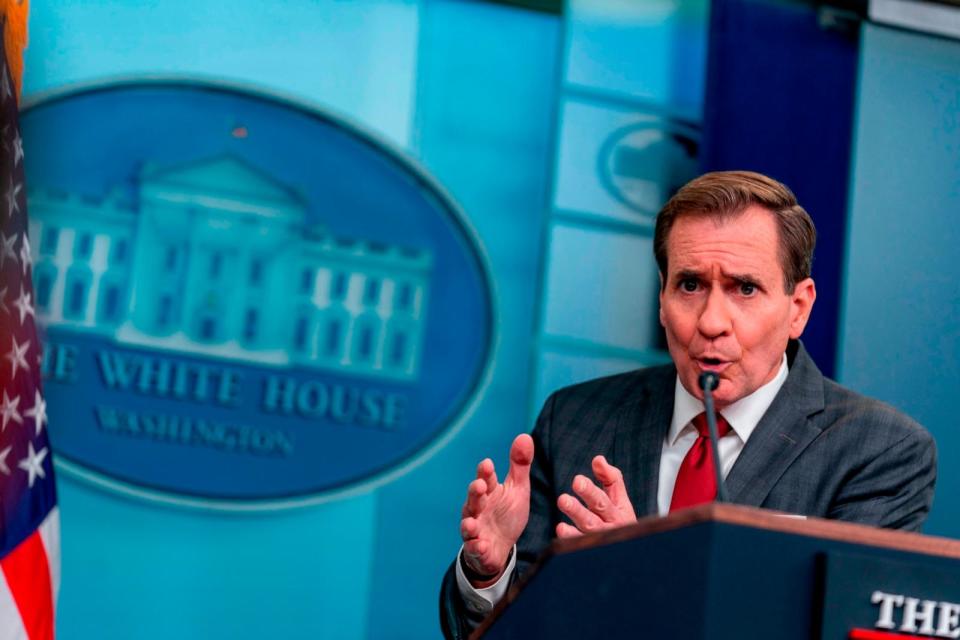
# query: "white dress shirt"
743,416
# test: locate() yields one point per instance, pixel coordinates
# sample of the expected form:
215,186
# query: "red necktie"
696,481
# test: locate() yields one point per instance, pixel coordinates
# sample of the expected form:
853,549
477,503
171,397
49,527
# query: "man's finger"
469,529
566,531
521,457
487,473
594,498
582,517
611,479
476,498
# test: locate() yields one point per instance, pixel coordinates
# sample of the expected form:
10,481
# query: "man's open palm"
495,513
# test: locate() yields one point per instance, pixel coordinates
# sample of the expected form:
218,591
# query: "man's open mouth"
712,364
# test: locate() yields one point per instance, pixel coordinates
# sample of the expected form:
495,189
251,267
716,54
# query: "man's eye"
748,289
689,285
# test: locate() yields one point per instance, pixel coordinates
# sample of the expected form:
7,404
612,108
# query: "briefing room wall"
899,331
628,131
485,96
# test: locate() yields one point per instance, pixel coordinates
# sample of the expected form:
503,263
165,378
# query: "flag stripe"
11,627
28,578
50,534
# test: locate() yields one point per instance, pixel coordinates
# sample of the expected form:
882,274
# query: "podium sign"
869,598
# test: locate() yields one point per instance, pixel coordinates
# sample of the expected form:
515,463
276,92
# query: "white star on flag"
12,205
17,357
7,250
4,469
38,411
24,305
33,463
8,411
17,149
25,258
3,300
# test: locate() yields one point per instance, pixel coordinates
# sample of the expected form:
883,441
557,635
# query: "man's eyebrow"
746,278
684,274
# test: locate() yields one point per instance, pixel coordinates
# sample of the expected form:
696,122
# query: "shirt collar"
743,415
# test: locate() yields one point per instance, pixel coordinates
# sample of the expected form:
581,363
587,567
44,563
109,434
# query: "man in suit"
734,250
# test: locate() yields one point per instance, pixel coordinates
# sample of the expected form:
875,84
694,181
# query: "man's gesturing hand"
605,508
495,514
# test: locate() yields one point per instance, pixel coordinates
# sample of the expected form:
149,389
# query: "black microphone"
709,381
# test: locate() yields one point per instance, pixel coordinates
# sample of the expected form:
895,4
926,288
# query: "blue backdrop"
558,136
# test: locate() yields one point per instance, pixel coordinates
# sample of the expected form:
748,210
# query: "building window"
170,259
256,272
338,287
49,241
331,345
84,247
45,279
216,265
371,292
250,325
118,254
398,349
164,312
365,344
404,297
300,333
76,298
306,281
110,304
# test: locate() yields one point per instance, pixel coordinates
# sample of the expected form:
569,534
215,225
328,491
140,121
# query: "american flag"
29,524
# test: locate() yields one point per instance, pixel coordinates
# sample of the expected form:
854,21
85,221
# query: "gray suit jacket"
819,450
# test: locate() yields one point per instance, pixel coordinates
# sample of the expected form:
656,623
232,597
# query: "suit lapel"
781,435
641,428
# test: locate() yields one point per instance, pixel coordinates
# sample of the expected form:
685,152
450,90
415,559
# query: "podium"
726,572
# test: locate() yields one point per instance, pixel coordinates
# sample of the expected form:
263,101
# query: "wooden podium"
725,572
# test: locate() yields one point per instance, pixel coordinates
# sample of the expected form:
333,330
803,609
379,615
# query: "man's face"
723,305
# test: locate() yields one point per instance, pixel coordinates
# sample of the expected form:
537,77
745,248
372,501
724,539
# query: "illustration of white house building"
218,258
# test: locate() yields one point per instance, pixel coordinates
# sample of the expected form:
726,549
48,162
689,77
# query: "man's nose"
715,316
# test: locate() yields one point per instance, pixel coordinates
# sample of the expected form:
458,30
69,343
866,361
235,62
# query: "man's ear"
801,304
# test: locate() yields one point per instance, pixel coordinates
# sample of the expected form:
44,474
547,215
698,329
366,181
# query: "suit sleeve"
893,490
456,621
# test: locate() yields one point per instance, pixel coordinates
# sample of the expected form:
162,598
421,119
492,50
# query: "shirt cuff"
483,600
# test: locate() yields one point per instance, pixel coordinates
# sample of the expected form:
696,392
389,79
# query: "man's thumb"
521,457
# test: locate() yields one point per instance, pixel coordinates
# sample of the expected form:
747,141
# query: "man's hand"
495,514
605,508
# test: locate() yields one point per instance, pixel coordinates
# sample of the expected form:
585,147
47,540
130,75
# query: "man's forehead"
745,243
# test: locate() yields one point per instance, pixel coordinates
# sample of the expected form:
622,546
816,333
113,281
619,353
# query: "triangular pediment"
226,175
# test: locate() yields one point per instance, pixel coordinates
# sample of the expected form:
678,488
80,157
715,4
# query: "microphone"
709,381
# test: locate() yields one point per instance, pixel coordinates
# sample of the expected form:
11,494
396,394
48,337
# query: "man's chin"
723,395
726,394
